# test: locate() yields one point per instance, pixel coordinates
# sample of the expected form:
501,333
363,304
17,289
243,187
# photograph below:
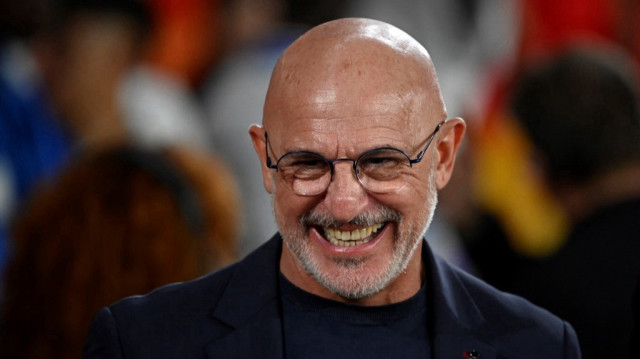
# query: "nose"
345,197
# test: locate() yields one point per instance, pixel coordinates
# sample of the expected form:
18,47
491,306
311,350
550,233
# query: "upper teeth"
350,238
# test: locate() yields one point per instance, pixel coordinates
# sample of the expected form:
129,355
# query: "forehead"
357,89
352,112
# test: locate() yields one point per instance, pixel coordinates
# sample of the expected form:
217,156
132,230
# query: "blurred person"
349,274
60,72
536,223
85,55
118,222
580,110
93,61
33,143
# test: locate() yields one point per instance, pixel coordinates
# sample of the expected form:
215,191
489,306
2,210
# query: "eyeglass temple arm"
433,135
266,147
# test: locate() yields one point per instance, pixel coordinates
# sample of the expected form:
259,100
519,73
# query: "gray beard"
353,287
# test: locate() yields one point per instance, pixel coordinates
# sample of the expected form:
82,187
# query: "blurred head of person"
116,223
86,50
581,111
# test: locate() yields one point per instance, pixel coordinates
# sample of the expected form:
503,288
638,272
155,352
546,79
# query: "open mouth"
351,238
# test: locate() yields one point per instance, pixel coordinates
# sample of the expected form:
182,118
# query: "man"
581,112
354,146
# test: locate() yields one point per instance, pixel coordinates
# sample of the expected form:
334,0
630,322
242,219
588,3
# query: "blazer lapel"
261,337
250,308
456,321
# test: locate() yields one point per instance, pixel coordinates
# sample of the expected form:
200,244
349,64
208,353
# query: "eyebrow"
303,150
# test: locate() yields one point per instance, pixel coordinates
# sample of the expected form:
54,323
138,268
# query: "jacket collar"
250,307
456,320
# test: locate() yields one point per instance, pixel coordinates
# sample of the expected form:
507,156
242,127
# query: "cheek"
289,207
411,199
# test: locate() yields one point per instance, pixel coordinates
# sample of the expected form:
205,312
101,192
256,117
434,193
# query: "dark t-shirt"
315,327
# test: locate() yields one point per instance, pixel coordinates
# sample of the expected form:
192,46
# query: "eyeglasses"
379,170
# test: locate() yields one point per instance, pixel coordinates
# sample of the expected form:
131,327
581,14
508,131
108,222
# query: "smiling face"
344,88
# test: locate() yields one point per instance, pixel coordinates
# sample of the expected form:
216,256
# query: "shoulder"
177,320
512,325
504,308
520,327
172,321
198,295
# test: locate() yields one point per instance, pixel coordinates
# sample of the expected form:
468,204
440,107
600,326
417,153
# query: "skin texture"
345,87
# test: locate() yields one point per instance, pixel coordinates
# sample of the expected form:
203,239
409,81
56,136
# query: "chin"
352,277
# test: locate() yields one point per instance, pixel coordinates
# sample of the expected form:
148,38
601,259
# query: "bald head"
347,60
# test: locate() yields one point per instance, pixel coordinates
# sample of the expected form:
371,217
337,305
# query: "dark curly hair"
116,223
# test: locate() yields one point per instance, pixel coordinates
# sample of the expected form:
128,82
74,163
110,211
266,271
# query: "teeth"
351,238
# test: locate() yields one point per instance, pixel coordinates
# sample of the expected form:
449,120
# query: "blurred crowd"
125,160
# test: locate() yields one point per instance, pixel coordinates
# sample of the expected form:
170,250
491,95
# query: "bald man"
354,145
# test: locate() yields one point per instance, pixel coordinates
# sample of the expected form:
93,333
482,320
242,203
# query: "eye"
304,166
383,158
383,163
379,165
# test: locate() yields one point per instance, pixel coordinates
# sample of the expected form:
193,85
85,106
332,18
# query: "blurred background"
99,96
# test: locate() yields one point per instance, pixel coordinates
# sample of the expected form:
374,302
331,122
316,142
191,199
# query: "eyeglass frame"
355,161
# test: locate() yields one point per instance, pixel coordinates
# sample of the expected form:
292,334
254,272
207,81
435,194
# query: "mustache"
365,219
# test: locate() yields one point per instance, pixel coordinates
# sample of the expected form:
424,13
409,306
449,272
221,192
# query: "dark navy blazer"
236,313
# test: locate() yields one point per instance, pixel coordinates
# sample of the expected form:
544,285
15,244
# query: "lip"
354,250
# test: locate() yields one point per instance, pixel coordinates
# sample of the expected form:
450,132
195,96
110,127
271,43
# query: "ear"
451,136
257,134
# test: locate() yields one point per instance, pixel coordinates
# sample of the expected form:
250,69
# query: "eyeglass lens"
379,170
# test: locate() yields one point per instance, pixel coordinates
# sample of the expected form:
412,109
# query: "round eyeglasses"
380,170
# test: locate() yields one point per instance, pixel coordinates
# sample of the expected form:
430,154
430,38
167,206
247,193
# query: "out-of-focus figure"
33,143
60,85
581,111
118,222
85,55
